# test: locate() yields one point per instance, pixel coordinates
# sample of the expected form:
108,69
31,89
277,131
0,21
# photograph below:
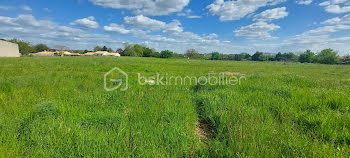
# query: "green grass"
57,107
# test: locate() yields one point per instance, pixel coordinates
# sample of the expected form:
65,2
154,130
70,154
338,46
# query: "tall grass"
57,107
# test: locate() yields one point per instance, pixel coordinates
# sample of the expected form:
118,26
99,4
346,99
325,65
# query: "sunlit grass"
57,107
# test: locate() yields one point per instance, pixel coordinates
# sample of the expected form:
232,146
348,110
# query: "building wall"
8,49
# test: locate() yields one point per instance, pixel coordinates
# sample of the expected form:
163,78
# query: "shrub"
147,52
216,56
192,53
327,56
166,54
41,47
138,50
307,57
155,54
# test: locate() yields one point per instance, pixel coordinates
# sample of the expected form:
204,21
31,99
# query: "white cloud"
343,20
272,14
145,7
336,6
28,28
304,2
31,29
88,22
194,17
117,29
337,9
5,7
26,8
145,28
47,10
328,29
235,10
260,30
148,24
212,35
26,20
120,29
188,13
143,22
322,37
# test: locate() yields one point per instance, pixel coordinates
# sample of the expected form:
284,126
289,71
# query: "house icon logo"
115,79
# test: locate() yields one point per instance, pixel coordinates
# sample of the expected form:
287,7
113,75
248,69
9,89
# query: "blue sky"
227,26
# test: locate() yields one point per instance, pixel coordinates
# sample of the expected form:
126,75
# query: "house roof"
67,53
112,54
90,53
101,52
45,52
74,54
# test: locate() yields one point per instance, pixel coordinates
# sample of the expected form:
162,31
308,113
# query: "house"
73,54
113,54
89,54
45,53
346,58
65,53
8,49
101,53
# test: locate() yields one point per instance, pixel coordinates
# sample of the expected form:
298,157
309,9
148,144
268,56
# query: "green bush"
166,54
307,57
327,56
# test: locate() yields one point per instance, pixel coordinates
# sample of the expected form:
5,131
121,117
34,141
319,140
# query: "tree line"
326,56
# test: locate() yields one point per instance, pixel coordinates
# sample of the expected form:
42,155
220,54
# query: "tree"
104,48
129,51
246,56
166,54
147,52
110,50
257,56
97,48
41,47
240,57
229,57
260,56
279,57
138,50
25,48
119,50
216,56
192,53
306,57
178,56
327,56
290,57
156,54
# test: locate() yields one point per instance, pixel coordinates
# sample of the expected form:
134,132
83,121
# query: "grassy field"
57,107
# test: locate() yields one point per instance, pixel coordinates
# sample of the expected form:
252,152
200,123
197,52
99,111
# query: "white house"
101,53
45,53
8,49
113,54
